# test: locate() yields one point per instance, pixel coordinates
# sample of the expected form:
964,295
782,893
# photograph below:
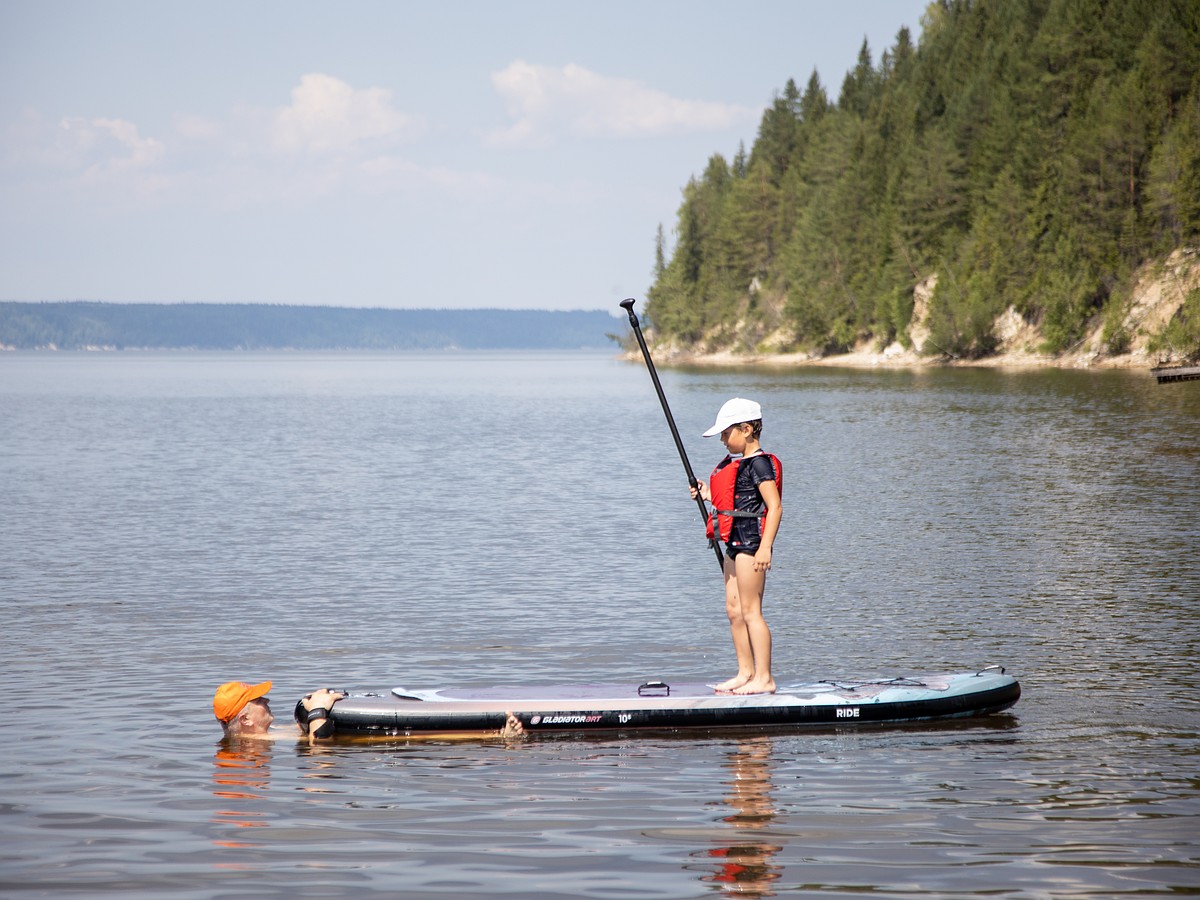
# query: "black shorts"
732,552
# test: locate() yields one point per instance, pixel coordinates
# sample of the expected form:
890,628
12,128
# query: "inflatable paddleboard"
657,704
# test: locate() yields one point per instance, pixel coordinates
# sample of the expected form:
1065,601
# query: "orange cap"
233,695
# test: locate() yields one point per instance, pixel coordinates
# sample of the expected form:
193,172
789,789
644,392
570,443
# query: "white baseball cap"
734,412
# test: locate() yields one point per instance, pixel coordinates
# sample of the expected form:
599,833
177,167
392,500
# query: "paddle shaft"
662,398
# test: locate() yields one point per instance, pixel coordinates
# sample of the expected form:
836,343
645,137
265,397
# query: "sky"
450,154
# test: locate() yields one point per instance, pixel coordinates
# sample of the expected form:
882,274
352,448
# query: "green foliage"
1035,152
1173,190
1181,337
961,317
1114,334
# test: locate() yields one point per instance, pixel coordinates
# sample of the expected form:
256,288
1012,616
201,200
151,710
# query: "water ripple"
171,521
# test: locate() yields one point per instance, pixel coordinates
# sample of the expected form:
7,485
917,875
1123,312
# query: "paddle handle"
627,305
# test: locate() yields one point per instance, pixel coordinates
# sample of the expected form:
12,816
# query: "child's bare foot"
726,687
512,727
757,686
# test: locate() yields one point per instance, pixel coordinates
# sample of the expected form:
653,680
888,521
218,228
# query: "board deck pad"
663,690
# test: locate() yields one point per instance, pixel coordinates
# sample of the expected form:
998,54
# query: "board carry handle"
999,669
650,686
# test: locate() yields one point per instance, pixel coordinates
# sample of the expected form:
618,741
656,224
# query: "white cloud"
328,139
139,152
92,147
327,115
104,156
545,102
197,128
331,139
397,173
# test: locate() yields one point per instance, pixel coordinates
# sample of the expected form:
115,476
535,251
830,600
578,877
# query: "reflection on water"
241,779
746,866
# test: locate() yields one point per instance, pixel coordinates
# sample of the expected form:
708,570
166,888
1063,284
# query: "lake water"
172,521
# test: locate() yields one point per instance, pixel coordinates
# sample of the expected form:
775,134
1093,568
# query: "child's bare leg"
738,631
750,585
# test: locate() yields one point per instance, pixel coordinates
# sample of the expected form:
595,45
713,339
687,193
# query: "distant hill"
218,326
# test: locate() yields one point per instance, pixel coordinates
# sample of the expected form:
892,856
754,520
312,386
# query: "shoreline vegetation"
1164,294
1001,191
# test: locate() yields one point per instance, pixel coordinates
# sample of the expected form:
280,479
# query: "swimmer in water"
244,711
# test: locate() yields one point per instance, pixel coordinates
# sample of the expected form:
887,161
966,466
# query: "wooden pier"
1176,373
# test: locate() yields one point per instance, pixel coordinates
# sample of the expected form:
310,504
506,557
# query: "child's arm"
769,491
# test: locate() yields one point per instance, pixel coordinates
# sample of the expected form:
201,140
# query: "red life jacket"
722,483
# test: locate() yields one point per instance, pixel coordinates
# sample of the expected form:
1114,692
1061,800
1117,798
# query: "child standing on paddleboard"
745,490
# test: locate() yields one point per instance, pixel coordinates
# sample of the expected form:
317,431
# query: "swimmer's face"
259,714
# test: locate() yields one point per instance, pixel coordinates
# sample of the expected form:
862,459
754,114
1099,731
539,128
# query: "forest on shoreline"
1026,160
246,326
